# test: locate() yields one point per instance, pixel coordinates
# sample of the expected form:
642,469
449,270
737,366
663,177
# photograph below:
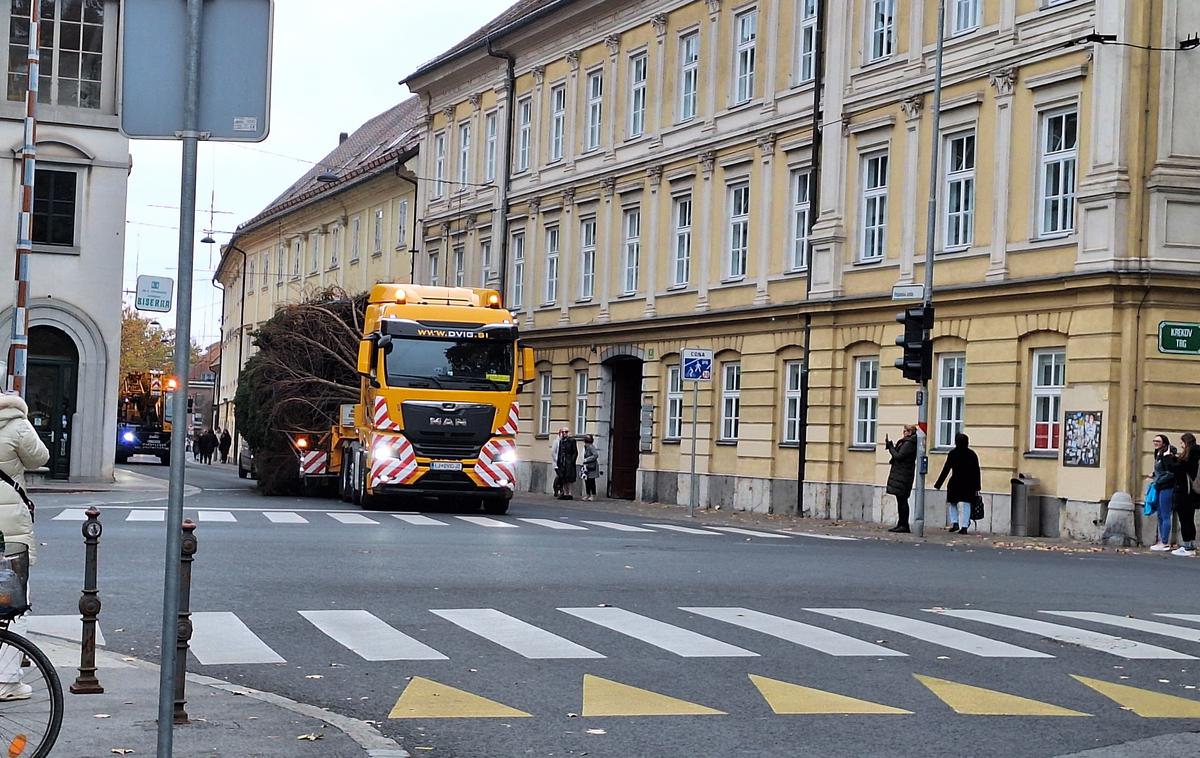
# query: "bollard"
184,634
89,607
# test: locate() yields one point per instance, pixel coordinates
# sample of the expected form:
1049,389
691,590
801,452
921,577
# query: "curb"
366,736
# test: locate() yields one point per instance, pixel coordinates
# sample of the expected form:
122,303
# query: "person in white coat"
20,450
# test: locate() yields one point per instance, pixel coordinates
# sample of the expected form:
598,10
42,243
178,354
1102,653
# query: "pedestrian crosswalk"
686,632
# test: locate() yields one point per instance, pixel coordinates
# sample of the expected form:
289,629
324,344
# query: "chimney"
343,137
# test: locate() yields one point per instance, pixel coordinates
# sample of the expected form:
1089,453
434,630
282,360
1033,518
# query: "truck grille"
455,449
447,430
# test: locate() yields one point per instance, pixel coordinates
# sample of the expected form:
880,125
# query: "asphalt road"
552,625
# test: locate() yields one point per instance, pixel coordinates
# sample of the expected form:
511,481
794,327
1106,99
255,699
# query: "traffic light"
917,363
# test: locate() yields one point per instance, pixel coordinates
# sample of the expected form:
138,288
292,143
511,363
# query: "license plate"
445,466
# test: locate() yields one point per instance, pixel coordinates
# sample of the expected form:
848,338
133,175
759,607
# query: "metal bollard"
89,607
187,550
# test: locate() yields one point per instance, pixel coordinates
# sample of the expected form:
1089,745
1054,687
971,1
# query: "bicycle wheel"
29,726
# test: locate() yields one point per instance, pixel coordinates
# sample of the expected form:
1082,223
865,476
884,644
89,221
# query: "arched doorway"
624,374
51,388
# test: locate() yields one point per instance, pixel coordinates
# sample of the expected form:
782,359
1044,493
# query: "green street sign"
1179,338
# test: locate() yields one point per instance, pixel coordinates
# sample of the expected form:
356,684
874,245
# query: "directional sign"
1179,338
908,292
697,365
154,293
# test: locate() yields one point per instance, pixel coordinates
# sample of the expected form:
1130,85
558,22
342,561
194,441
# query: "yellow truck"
440,368
144,415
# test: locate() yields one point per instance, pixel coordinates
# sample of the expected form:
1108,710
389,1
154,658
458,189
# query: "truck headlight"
383,450
509,456
128,437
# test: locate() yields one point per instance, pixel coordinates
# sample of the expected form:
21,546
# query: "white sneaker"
15,691
1159,547
1184,552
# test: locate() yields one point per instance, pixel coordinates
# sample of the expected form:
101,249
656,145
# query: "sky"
332,70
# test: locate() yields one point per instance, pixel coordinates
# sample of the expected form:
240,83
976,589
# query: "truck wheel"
241,473
495,506
165,459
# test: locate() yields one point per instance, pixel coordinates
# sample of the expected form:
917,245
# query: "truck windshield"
463,364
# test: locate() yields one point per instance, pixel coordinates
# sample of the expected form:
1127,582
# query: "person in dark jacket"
210,446
589,467
903,471
1163,477
962,466
567,465
1186,498
224,444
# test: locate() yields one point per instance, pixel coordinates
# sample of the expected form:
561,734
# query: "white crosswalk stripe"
369,637
750,532
62,627
832,537
669,637
146,515
617,526
807,635
417,520
352,518
71,514
490,523
1193,617
220,637
936,634
683,529
552,524
284,517
1153,627
218,516
516,635
1105,643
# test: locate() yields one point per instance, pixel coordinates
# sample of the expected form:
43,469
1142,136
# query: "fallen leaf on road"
572,715
127,658
311,737
118,630
603,605
122,751
943,657
596,731
314,676
101,716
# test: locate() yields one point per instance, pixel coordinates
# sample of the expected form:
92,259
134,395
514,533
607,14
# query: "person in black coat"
567,465
1186,467
962,466
223,444
903,471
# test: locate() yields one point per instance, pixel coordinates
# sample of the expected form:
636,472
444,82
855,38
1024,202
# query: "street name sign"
154,293
697,365
908,292
235,69
1180,338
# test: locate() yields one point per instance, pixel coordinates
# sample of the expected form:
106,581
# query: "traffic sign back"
697,365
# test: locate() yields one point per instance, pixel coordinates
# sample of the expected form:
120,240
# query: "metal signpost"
697,367
190,70
153,293
1179,338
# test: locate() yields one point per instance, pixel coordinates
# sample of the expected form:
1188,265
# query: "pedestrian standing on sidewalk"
567,464
20,450
962,466
590,467
1186,495
1163,477
225,443
558,438
903,471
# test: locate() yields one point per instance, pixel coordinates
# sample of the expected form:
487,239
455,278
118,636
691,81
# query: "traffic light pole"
918,525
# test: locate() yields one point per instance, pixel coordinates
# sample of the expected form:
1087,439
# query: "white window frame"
791,402
335,246
464,156
874,212
249,274
266,269
545,388
951,397
485,262
866,400
524,132
632,247
355,238
801,219
460,266
639,71
550,293
558,121
581,400
377,215
297,257
491,125
681,250
587,258
674,421
881,30
280,265
595,108
959,219
401,223
1056,211
517,285
439,164
1047,397
745,36
316,252
689,75
434,263
806,34
965,16
731,400
738,251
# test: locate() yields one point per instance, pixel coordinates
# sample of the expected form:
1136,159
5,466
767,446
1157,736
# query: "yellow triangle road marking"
426,699
1145,703
603,697
977,701
788,699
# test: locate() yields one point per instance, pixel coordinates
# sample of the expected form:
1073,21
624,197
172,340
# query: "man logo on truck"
445,421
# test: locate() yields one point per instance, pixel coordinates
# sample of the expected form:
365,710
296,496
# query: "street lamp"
241,322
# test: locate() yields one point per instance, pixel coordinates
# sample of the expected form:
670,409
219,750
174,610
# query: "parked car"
246,463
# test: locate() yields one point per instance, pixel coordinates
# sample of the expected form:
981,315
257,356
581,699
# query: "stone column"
771,52
828,242
658,104
1008,18
1003,82
567,254
709,50
613,41
534,287
912,190
916,32
765,205
569,131
650,243
607,247
703,219
478,144
535,132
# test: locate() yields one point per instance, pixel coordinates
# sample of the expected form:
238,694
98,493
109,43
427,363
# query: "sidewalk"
124,481
227,720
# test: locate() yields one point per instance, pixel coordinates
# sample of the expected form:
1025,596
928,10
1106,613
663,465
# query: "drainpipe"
506,173
814,205
412,236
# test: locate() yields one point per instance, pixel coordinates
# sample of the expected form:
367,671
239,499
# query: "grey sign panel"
235,69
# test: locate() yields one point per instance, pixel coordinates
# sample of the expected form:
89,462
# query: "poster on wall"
1081,448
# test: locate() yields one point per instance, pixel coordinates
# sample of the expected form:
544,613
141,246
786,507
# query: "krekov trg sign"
1179,338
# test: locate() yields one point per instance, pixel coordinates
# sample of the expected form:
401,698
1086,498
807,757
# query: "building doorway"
625,431
51,386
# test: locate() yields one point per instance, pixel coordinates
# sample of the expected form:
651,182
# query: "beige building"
348,223
660,154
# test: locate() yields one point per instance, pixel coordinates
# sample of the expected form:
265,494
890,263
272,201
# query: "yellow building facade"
659,190
348,223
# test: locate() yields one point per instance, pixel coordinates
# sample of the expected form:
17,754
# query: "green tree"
146,346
